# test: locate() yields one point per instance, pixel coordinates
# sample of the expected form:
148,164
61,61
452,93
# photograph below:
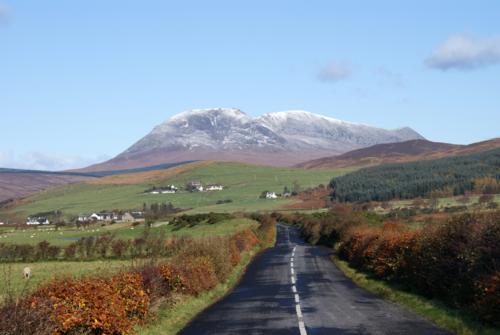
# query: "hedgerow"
114,305
455,261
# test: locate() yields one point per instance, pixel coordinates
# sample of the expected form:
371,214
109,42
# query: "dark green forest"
457,175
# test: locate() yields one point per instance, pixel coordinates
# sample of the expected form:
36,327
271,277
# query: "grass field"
11,274
11,279
65,236
243,185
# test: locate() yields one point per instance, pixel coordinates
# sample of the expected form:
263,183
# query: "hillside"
16,183
228,134
407,151
242,183
450,175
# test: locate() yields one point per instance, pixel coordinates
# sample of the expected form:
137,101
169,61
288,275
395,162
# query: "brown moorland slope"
398,152
18,185
143,177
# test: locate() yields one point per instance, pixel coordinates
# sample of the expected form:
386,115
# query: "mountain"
407,151
276,139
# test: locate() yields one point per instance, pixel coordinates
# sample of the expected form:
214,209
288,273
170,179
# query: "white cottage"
271,195
41,220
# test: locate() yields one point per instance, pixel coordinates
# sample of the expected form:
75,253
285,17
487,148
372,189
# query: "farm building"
271,195
41,220
163,190
133,217
195,186
214,187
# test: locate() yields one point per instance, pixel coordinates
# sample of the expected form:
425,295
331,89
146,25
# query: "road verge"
453,320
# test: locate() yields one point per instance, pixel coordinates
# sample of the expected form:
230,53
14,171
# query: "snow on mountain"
279,138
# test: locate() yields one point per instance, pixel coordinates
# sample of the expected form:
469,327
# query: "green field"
12,281
243,185
65,236
11,273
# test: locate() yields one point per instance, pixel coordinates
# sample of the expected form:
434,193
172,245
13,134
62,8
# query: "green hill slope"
242,184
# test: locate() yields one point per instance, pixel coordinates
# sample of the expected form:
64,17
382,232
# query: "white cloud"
334,72
40,161
465,52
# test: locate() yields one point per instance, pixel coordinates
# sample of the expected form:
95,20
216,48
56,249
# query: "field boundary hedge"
117,304
456,261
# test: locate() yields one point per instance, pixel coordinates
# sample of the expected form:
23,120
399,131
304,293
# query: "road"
294,288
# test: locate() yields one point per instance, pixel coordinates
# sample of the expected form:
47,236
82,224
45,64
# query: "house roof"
137,215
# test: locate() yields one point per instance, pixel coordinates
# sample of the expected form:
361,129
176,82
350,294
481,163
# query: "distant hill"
407,151
273,139
18,183
15,185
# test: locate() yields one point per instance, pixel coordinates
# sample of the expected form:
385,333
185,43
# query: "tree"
296,187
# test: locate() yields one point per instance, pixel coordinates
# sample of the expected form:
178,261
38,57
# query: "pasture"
243,184
66,235
13,283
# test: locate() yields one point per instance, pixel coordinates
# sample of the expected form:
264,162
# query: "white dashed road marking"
298,309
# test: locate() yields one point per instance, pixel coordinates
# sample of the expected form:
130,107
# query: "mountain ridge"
277,139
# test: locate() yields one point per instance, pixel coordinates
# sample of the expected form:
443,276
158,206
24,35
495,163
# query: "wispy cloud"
40,161
335,71
464,52
391,77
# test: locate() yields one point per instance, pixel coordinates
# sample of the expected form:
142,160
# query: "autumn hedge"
115,305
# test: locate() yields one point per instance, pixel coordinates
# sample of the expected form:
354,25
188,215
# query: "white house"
37,221
102,216
195,186
168,191
214,188
271,195
84,217
165,190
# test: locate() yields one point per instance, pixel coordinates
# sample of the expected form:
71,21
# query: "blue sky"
82,80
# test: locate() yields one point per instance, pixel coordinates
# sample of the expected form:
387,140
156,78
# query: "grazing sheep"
26,273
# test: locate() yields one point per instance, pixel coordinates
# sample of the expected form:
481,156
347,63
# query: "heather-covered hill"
407,151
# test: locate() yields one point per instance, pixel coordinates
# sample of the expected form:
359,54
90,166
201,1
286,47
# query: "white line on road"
298,309
302,328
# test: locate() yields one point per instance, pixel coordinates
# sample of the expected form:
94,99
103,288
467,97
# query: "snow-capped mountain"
280,138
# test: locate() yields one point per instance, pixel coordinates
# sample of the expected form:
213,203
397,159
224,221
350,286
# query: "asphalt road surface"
294,288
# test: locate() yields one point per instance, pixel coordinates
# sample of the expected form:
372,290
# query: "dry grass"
149,176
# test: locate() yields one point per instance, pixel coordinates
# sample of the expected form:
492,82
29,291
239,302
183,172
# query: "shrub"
70,251
487,302
21,319
98,305
119,248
